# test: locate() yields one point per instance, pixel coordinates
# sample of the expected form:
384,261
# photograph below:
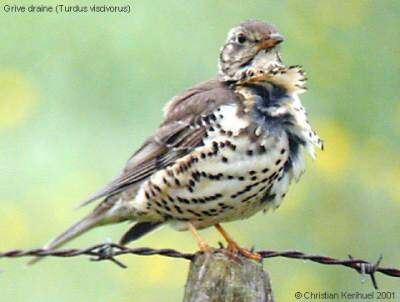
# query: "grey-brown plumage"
226,148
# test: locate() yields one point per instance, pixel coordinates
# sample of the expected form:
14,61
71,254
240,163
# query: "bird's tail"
72,232
102,215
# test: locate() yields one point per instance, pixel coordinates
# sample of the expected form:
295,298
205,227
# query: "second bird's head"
251,44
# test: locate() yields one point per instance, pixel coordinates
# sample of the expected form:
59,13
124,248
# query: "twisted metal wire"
108,251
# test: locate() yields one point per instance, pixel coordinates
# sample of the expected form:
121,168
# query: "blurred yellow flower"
378,158
393,177
13,227
336,157
159,269
17,97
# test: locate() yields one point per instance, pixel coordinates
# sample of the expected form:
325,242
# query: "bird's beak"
273,40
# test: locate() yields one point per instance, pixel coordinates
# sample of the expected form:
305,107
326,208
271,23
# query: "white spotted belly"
232,176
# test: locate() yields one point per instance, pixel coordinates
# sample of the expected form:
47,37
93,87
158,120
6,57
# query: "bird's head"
251,44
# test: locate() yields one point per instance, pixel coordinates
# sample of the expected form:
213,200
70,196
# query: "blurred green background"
80,92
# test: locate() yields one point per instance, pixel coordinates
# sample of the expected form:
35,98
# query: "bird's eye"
241,38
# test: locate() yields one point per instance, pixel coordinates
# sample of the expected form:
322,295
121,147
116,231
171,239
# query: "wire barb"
108,251
365,268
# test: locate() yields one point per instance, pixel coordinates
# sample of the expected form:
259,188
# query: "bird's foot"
205,248
235,249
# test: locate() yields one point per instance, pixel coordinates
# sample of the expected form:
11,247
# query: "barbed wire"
108,251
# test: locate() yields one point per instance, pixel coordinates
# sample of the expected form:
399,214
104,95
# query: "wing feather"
177,135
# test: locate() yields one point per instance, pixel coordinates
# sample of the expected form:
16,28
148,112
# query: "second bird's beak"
273,40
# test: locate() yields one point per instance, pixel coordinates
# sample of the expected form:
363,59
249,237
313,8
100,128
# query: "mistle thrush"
226,148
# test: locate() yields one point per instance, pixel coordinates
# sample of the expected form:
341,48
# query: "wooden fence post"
216,277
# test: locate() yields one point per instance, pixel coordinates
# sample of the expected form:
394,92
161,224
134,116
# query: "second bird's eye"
241,38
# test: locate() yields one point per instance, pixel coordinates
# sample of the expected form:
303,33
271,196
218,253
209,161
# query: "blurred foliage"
78,94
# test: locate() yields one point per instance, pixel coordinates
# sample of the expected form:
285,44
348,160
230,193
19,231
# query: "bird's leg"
203,246
233,247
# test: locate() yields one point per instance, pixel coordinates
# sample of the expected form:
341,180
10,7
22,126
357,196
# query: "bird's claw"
235,249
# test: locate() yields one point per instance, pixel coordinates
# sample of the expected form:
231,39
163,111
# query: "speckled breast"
237,171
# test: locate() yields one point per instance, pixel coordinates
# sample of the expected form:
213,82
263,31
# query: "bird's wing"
177,135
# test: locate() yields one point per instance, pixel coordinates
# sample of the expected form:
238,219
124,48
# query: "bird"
226,148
